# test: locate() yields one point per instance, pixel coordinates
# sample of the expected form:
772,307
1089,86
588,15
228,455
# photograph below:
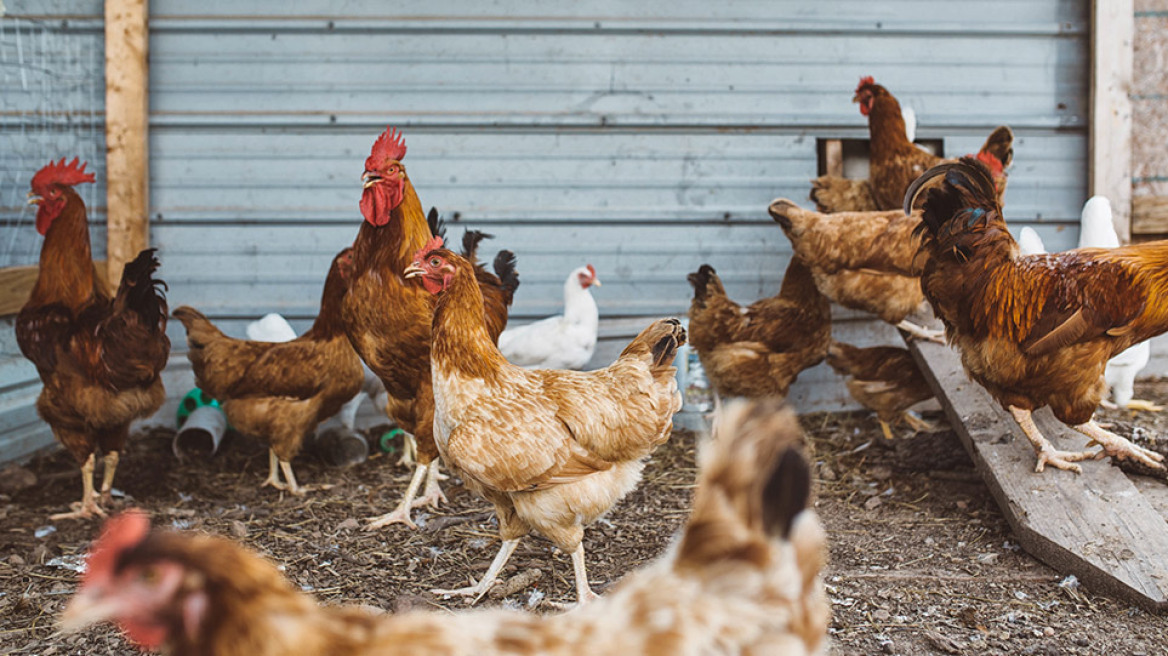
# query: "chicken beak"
413,271
86,608
34,199
596,282
369,179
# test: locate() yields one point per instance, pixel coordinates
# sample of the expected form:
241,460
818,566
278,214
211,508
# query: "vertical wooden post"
1110,160
126,132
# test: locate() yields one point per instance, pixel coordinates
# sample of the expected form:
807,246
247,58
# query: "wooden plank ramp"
1097,525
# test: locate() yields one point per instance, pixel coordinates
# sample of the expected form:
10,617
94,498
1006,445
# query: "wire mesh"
52,97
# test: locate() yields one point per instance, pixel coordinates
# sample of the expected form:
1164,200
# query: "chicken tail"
133,344
753,492
1000,144
706,283
199,328
470,244
508,275
437,225
793,219
141,293
658,344
835,194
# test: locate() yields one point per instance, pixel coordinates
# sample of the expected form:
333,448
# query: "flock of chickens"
553,449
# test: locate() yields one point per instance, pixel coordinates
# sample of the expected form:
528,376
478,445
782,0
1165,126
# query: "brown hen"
884,379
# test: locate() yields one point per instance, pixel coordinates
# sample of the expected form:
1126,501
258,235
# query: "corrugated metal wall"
645,138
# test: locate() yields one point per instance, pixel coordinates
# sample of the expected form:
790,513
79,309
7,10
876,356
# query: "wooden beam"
1095,525
16,284
126,129
1150,215
1109,149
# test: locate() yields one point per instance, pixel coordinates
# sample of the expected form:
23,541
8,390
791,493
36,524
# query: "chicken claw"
87,509
1118,447
1045,450
1146,406
920,332
489,580
918,424
401,514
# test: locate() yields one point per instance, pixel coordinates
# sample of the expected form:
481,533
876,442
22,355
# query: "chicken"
563,341
99,358
884,379
865,261
387,318
498,288
1098,231
1035,330
552,450
278,392
760,349
893,161
744,578
1029,243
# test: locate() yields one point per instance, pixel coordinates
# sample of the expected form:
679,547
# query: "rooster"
758,350
744,578
552,450
1035,330
279,391
387,318
894,160
563,341
99,358
884,379
865,261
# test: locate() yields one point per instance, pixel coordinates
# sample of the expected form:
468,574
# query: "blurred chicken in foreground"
744,578
1035,330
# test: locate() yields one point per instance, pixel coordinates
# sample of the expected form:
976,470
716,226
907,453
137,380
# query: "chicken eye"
148,575
435,262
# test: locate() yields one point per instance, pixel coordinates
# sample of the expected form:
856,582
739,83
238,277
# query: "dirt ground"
921,560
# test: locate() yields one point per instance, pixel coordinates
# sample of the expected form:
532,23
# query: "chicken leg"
88,507
477,590
584,593
401,514
107,478
273,478
1045,450
432,494
1118,447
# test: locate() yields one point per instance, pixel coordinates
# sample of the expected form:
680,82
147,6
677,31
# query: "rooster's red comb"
62,173
865,81
434,244
992,163
120,534
591,270
390,145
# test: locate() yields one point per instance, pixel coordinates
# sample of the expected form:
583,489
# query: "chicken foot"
401,514
273,478
484,585
918,424
87,507
432,494
291,486
1045,450
107,477
584,593
920,332
1117,447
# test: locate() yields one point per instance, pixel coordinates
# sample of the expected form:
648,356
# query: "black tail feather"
437,225
140,291
470,244
505,268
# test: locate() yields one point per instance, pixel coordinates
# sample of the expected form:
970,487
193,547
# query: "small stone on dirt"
349,524
238,529
873,503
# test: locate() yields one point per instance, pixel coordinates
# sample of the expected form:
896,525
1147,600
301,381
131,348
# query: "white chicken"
1098,231
564,341
1029,242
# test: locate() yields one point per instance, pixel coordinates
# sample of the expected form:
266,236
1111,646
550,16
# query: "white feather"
1030,243
910,122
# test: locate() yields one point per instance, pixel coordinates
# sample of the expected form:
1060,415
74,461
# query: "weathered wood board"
1097,525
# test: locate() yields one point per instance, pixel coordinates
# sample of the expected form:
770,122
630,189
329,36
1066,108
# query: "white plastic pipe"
201,433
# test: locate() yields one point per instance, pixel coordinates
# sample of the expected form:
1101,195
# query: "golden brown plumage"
99,358
743,579
279,392
388,318
884,379
1035,330
865,261
760,349
894,161
552,450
